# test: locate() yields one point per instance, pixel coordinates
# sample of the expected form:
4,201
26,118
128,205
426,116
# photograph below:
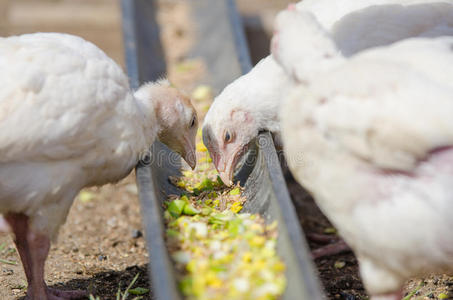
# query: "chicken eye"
227,137
192,123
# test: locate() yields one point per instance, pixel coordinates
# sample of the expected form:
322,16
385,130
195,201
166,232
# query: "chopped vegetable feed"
220,253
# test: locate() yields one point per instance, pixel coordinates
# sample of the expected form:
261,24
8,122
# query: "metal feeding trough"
221,43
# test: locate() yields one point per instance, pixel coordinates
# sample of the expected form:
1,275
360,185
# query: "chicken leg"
33,249
334,245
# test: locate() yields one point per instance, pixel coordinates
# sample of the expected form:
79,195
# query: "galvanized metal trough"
221,43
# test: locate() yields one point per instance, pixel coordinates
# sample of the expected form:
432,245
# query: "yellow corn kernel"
201,147
236,207
257,241
247,256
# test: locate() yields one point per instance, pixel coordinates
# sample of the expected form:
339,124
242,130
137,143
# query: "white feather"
67,120
362,137
350,26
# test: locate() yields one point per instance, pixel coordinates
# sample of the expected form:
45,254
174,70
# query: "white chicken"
246,106
250,103
371,138
69,120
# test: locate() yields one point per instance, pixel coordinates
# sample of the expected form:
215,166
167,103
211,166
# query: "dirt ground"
101,247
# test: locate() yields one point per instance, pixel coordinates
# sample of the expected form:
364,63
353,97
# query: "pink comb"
291,6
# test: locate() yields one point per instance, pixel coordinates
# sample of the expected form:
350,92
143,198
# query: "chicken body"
352,26
54,88
68,120
371,138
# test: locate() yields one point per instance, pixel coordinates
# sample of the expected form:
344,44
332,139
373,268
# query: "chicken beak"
227,176
225,165
221,165
188,153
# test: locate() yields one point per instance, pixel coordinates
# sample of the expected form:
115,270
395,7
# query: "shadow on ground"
105,284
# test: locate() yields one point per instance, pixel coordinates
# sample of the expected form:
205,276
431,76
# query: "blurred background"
99,21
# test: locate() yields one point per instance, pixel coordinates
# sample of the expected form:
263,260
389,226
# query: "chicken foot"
33,249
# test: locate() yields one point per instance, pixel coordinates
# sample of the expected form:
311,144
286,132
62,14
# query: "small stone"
18,287
8,271
111,222
132,188
136,234
102,257
430,295
347,296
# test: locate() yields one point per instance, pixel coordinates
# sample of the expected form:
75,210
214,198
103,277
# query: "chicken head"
176,117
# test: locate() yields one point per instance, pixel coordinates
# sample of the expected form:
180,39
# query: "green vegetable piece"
172,233
186,286
185,198
218,268
219,181
414,291
330,230
339,264
234,226
196,217
8,262
196,192
443,296
167,215
174,223
212,195
190,210
176,207
235,191
205,211
206,185
219,218
138,291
